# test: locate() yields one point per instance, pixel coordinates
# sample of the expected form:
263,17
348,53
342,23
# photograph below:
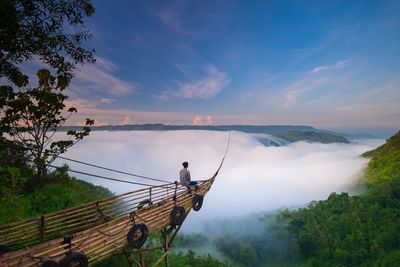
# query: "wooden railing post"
150,196
41,228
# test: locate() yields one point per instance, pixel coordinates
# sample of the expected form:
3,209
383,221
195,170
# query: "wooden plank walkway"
97,229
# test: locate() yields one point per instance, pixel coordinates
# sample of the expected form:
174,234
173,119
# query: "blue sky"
330,64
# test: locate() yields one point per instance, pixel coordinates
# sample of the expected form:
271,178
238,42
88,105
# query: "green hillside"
342,230
19,200
291,133
385,161
355,230
312,136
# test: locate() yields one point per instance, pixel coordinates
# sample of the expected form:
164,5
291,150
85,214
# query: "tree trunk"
41,173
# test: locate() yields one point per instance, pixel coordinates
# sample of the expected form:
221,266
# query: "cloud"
379,104
100,78
127,120
338,65
197,120
171,17
107,101
94,110
81,103
299,88
205,88
209,120
254,178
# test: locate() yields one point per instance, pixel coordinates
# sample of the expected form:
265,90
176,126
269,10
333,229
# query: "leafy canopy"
32,117
52,30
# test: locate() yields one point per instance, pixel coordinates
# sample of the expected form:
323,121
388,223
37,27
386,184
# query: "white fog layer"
254,177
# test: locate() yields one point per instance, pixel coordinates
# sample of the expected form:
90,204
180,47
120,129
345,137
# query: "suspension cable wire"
103,177
113,170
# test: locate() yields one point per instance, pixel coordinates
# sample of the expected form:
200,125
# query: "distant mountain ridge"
290,133
271,129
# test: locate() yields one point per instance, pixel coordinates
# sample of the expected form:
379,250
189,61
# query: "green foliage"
385,162
59,192
31,118
190,241
272,246
355,230
31,28
12,153
12,181
342,230
310,136
53,32
188,259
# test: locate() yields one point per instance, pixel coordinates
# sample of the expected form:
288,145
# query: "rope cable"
113,170
102,177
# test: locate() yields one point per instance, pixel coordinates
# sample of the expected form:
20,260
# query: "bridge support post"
166,246
141,258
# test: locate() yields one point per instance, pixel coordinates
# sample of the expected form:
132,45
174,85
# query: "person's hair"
185,164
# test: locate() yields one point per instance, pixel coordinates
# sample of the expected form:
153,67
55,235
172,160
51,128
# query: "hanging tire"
4,249
73,258
137,235
177,216
49,263
197,202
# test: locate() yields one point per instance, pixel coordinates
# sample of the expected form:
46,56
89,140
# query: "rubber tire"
197,202
4,249
137,228
49,263
177,216
74,257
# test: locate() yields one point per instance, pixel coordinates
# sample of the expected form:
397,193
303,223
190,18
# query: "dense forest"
343,230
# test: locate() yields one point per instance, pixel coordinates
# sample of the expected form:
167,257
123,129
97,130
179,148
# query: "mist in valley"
254,178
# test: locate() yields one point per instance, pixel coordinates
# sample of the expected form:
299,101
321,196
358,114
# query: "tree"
32,117
52,30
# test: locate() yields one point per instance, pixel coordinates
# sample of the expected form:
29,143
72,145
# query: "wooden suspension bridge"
85,234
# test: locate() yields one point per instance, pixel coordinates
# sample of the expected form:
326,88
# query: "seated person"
185,176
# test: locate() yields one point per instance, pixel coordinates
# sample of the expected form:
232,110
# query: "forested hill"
290,133
385,161
271,129
343,230
359,230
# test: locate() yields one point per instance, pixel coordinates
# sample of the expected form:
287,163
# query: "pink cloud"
197,120
101,77
127,120
209,120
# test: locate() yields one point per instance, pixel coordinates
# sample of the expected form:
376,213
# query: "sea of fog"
254,177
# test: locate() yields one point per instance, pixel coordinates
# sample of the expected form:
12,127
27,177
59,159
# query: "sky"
329,64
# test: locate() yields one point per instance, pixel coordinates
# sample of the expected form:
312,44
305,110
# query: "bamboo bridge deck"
97,229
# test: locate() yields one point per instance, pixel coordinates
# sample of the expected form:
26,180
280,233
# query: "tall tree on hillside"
32,117
53,32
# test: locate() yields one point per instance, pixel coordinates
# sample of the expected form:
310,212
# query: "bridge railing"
117,215
46,227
